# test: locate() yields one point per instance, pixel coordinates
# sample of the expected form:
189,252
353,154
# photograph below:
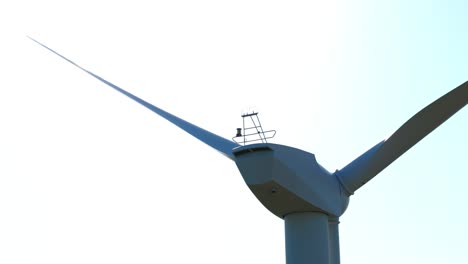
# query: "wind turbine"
291,184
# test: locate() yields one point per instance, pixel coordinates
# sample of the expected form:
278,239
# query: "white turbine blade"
219,143
372,162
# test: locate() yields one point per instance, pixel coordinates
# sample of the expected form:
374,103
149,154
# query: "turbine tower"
292,185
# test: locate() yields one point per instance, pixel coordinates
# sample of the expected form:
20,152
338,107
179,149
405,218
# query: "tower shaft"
307,238
334,240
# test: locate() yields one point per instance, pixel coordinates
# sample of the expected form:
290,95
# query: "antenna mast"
252,130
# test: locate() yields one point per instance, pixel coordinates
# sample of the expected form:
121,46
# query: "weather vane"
252,130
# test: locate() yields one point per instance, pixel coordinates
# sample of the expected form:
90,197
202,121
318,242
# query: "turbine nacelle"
288,180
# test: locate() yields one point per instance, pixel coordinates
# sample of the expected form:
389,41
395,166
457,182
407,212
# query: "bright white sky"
89,176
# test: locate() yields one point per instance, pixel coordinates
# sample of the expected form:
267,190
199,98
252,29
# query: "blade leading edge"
372,162
219,143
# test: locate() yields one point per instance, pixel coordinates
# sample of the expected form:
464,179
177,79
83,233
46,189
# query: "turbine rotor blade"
219,143
372,162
